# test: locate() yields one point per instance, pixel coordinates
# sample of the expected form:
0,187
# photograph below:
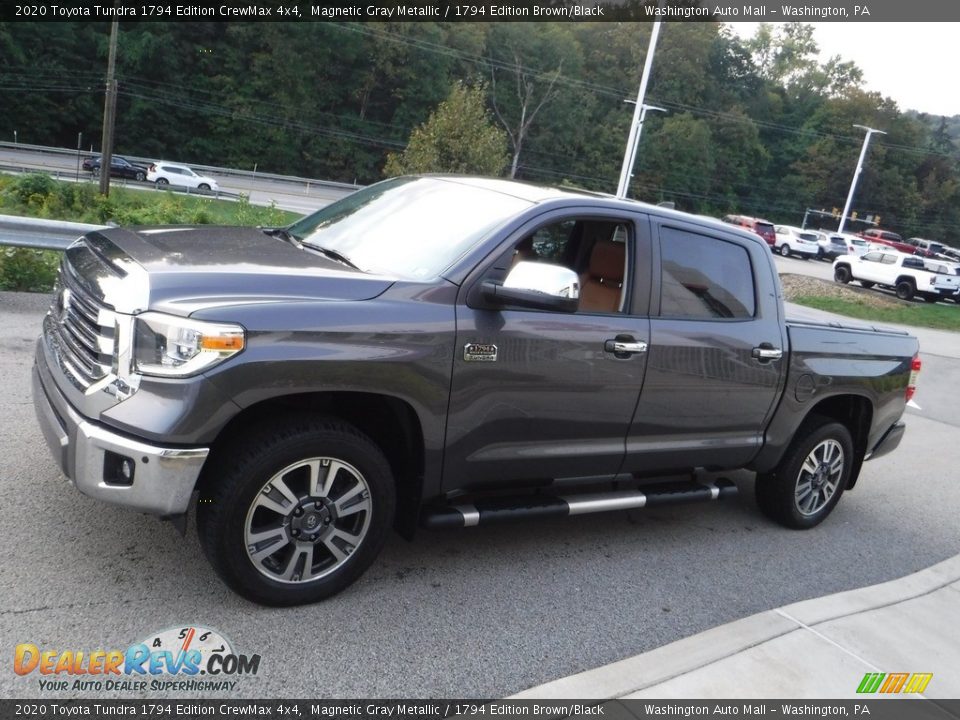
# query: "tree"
459,137
518,91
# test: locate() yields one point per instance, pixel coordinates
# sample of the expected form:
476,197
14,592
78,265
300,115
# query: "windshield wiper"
283,234
333,255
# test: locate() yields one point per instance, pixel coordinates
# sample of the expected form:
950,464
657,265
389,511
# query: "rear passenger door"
717,353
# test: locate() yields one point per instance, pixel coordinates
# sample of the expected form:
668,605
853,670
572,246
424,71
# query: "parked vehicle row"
907,275
160,173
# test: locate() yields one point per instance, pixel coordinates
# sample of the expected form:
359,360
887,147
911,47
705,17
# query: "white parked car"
165,173
792,240
856,245
907,275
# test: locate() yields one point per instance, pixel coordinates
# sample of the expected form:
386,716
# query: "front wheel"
811,477
203,186
785,250
842,274
300,510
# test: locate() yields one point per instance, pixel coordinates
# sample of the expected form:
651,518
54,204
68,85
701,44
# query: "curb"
634,674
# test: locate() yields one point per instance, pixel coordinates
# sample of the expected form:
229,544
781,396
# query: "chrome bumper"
161,480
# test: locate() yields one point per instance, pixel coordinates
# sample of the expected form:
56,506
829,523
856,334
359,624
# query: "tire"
203,186
95,172
905,290
842,274
141,177
930,298
785,250
274,514
162,181
820,254
794,494
867,284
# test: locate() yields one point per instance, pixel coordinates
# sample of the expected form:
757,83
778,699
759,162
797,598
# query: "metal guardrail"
223,172
40,234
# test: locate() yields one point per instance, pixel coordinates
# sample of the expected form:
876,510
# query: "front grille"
80,330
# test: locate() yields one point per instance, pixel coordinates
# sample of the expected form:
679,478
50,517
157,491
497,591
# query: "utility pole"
630,154
109,113
856,174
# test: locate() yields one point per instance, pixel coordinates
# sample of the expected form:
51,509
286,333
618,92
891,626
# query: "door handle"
624,347
767,352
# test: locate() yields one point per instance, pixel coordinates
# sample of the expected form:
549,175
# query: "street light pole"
856,174
629,155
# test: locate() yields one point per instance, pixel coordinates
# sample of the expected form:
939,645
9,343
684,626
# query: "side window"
872,257
596,250
704,278
889,259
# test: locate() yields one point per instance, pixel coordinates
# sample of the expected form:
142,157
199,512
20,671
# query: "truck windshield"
413,228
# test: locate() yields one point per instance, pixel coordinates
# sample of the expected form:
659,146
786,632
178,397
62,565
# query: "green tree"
459,137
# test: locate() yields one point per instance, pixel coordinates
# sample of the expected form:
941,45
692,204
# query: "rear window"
893,237
808,236
704,278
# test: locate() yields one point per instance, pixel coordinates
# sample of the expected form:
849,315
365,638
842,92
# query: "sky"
913,63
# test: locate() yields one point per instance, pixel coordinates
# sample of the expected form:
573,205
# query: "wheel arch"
390,422
855,412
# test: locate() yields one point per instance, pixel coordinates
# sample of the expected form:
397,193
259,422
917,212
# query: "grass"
40,196
943,316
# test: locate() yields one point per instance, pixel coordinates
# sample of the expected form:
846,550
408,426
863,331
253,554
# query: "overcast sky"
914,63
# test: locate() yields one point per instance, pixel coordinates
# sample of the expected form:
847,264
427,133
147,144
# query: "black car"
119,167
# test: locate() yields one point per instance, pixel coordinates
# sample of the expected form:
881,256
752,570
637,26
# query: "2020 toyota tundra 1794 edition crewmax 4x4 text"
446,351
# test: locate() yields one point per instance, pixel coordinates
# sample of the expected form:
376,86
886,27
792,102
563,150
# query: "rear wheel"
300,510
162,181
930,298
785,250
905,290
807,484
141,176
841,274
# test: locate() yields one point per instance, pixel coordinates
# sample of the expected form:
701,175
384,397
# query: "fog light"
118,469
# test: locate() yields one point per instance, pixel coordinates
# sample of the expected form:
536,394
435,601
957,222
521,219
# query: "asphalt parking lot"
484,612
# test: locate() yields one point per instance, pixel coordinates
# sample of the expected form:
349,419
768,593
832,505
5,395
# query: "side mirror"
537,285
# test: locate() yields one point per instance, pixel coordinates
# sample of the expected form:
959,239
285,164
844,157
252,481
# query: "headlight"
178,347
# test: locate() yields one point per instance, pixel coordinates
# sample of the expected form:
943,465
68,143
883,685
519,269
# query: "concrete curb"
652,668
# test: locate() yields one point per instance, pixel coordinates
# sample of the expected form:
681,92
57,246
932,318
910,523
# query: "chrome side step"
507,509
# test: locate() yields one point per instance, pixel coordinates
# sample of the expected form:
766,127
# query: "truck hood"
186,269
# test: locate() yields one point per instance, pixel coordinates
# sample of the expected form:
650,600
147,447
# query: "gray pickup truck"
446,351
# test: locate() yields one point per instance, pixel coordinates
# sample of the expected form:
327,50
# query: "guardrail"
73,154
41,234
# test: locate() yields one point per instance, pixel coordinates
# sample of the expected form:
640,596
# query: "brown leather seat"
601,286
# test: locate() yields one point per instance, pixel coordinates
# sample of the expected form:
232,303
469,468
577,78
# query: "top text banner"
479,11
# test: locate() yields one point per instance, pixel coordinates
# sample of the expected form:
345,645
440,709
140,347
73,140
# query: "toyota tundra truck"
445,351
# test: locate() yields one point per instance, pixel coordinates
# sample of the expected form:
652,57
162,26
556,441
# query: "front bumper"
161,480
889,442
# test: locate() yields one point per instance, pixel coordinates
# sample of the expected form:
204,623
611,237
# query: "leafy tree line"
759,126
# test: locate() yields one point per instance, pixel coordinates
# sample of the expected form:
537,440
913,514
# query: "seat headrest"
606,260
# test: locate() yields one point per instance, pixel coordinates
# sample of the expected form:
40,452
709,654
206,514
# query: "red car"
763,228
891,239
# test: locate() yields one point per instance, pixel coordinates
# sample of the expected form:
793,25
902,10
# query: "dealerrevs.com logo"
179,659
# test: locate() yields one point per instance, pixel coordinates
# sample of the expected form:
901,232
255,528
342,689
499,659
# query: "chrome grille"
81,331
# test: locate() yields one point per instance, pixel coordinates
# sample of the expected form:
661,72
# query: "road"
302,197
484,612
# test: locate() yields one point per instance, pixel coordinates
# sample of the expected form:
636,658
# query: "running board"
508,509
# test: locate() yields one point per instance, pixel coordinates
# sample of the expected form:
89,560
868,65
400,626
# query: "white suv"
790,239
907,275
164,173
